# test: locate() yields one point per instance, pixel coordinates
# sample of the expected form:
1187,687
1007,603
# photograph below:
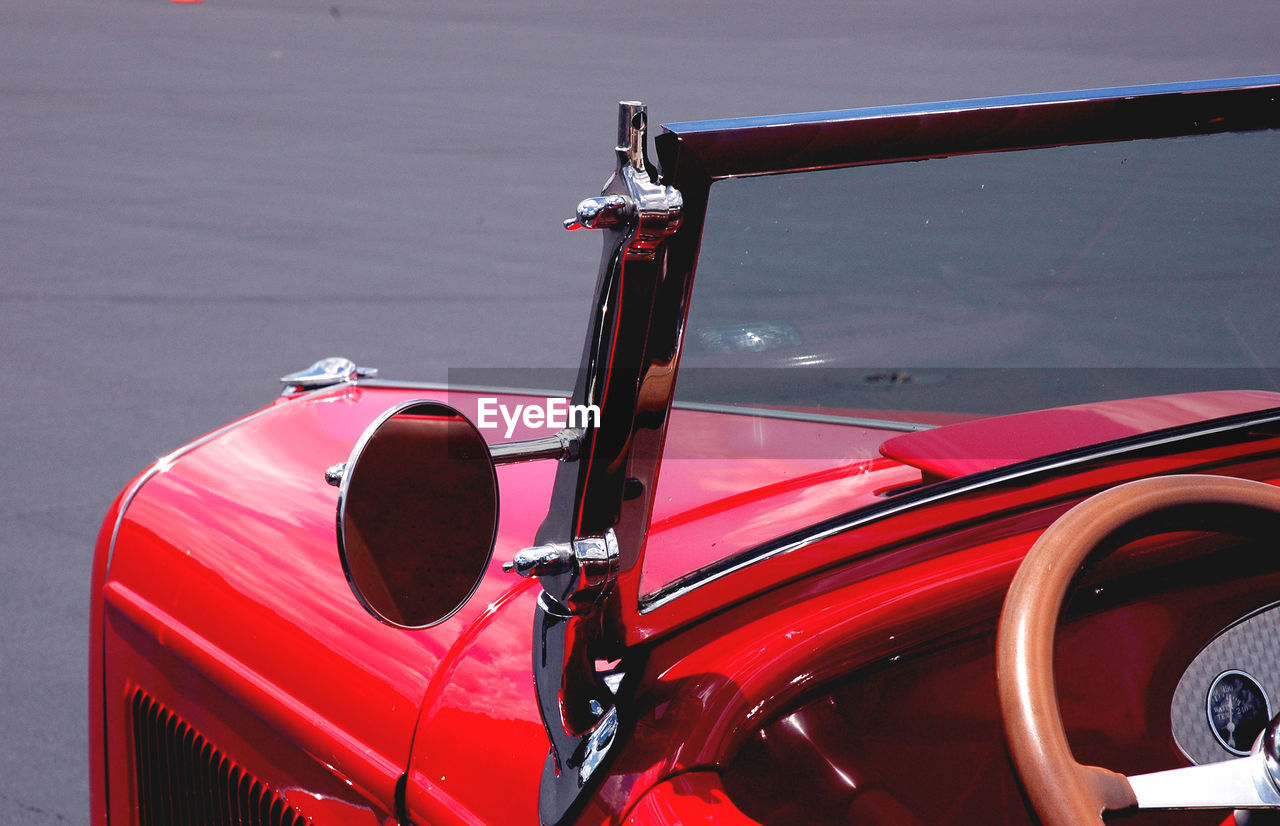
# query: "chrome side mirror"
417,514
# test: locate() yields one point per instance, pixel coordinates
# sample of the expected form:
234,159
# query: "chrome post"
632,122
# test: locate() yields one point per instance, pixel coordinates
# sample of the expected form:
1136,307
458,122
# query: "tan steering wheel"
1064,792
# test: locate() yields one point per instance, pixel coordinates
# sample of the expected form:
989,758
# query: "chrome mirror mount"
562,446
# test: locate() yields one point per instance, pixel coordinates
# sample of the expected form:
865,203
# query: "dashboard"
1165,655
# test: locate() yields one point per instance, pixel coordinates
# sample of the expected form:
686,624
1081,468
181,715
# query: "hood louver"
182,778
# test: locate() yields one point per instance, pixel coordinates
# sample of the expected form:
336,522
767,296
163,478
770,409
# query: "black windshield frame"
692,156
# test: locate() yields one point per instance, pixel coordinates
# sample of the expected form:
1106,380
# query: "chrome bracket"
325,373
574,574
633,196
563,447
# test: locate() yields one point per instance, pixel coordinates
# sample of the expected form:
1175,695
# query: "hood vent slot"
184,779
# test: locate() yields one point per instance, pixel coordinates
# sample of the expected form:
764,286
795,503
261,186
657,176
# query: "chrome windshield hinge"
574,574
633,196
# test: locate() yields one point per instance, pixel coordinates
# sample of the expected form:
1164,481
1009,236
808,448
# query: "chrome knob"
542,560
603,212
573,573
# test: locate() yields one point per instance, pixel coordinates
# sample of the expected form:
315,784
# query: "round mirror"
417,514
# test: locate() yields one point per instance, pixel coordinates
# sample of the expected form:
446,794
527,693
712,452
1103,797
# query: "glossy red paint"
696,797
228,605
337,706
225,569
202,572
913,526
731,482
913,621
986,444
482,705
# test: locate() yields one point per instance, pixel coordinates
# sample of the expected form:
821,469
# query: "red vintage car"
945,493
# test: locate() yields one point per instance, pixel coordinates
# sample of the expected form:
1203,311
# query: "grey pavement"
198,198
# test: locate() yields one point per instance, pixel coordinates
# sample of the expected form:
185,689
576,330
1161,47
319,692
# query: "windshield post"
593,497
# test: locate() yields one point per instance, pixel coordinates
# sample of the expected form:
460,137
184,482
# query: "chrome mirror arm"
563,447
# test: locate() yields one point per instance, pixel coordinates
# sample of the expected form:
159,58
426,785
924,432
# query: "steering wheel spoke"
1243,783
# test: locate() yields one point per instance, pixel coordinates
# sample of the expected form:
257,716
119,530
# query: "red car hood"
230,543
226,553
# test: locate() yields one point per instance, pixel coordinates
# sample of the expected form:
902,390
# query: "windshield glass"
1144,254
881,298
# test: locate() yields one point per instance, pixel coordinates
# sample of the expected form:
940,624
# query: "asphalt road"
198,198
